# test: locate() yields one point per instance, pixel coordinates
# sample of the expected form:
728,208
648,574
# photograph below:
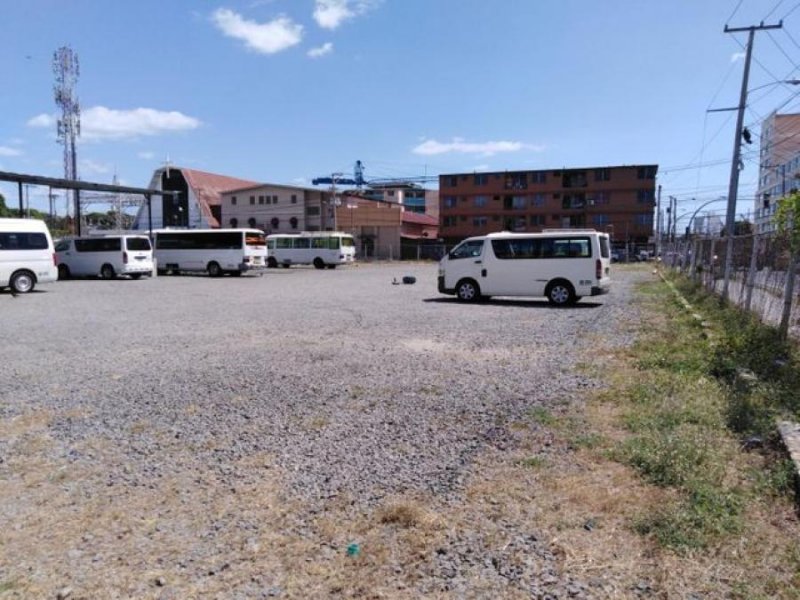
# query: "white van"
105,256
562,265
26,254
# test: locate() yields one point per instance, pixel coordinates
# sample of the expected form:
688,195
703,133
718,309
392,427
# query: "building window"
516,181
481,201
312,211
233,200
275,222
600,219
234,222
538,200
450,201
275,199
570,201
481,179
293,222
294,198
261,199
480,221
573,179
251,222
252,199
601,198
451,181
644,219
539,177
645,196
537,220
646,173
602,174
449,221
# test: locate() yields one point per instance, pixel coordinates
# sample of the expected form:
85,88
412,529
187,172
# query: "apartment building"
779,166
278,208
619,200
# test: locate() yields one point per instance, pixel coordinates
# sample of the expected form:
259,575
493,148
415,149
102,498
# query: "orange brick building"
619,200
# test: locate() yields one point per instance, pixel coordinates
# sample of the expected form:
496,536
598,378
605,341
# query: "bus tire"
271,262
63,272
319,263
213,269
468,290
107,272
560,292
22,282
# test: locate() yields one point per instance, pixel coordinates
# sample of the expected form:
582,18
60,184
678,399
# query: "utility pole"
733,187
658,223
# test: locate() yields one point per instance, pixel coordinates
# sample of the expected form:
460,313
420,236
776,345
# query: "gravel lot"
193,437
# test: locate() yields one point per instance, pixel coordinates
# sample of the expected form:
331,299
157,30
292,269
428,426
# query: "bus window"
252,238
301,244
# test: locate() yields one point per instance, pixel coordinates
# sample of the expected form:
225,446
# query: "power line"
774,8
796,6
728,20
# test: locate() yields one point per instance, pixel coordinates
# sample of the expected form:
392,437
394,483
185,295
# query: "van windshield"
137,243
467,249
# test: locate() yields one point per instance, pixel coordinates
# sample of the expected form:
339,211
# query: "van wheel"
107,272
136,275
331,266
63,272
22,282
271,262
214,269
319,263
560,293
468,291
285,265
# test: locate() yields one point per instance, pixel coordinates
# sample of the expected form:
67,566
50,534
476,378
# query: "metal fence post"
751,275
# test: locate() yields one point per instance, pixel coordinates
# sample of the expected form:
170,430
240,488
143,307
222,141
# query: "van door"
465,261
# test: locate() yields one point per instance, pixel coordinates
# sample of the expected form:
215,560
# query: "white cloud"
329,14
480,168
101,123
321,51
146,155
266,38
738,56
6,151
42,120
90,166
458,145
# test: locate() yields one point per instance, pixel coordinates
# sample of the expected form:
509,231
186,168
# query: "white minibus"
562,265
105,256
26,255
319,248
213,251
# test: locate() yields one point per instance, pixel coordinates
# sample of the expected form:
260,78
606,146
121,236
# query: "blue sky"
288,90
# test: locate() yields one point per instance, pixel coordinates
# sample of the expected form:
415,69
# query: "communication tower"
67,70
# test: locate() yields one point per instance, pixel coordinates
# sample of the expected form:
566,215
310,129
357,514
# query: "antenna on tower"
67,70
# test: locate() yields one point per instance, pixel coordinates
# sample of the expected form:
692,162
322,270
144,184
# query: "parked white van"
105,256
26,254
563,265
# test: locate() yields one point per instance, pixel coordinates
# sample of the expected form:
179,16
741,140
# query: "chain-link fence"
761,277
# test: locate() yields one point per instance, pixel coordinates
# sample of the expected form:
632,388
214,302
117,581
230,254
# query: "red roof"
208,188
419,218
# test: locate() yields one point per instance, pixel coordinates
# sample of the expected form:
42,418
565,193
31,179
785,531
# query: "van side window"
468,249
62,246
98,245
570,248
23,241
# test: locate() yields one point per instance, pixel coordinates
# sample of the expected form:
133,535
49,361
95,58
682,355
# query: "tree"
4,210
786,218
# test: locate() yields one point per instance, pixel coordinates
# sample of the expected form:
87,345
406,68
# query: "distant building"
779,166
384,229
619,200
277,208
413,197
197,206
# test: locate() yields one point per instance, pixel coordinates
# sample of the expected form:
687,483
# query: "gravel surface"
170,400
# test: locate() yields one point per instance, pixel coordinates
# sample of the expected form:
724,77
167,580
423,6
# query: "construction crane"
359,181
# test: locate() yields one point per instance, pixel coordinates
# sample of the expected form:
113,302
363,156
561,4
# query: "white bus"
27,256
319,248
562,265
214,251
106,256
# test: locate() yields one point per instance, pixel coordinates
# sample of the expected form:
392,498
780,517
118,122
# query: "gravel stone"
358,391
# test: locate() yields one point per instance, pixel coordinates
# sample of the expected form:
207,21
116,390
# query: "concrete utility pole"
733,187
658,222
